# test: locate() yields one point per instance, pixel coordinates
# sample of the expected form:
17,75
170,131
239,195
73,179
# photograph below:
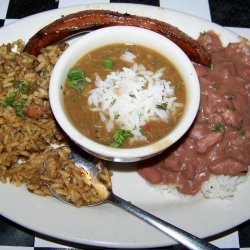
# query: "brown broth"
88,122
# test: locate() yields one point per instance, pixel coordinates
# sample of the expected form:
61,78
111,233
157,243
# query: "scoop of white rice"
217,186
129,98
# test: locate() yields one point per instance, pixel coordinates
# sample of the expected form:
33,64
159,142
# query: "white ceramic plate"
107,225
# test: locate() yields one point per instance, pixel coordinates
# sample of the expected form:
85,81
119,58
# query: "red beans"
228,167
151,174
218,142
231,118
204,144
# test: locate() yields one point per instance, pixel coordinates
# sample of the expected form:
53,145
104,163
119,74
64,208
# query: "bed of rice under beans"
25,142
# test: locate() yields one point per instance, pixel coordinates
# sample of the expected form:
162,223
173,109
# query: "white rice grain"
131,97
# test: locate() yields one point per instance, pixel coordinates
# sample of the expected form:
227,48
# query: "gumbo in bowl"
124,93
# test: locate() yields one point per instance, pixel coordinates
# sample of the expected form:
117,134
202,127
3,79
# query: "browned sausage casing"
94,19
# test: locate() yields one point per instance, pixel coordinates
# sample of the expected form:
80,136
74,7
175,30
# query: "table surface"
234,15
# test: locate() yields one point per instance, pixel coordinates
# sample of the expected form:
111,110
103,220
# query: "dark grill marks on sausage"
93,19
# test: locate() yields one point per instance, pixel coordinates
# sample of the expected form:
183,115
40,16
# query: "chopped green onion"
76,74
77,79
10,99
113,102
23,86
78,85
108,64
162,106
17,105
154,62
142,131
211,66
119,137
24,90
16,84
203,33
179,85
218,127
242,134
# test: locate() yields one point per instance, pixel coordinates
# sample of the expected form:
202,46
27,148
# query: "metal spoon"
100,178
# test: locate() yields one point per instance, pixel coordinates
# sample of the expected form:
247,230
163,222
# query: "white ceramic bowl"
134,35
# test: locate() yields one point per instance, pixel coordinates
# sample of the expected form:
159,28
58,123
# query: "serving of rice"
26,136
137,89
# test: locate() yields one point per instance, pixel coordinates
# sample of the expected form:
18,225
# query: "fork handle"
179,235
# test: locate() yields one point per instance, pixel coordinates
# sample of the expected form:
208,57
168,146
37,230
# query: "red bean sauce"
219,140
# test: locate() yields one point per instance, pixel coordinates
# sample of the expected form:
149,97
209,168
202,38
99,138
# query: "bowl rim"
123,154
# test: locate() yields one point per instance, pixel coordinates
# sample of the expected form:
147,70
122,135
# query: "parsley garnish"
119,137
242,134
108,64
162,106
113,102
218,127
142,131
14,100
203,33
77,79
179,85
154,62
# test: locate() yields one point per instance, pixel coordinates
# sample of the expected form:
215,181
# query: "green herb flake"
76,74
203,33
113,102
12,101
154,62
117,116
212,66
22,86
218,127
16,85
242,133
78,85
9,100
108,64
119,137
142,131
162,106
179,85
77,79
24,90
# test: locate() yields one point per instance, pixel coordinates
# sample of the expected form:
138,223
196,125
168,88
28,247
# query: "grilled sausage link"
94,19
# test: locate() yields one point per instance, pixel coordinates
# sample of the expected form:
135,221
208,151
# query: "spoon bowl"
101,180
